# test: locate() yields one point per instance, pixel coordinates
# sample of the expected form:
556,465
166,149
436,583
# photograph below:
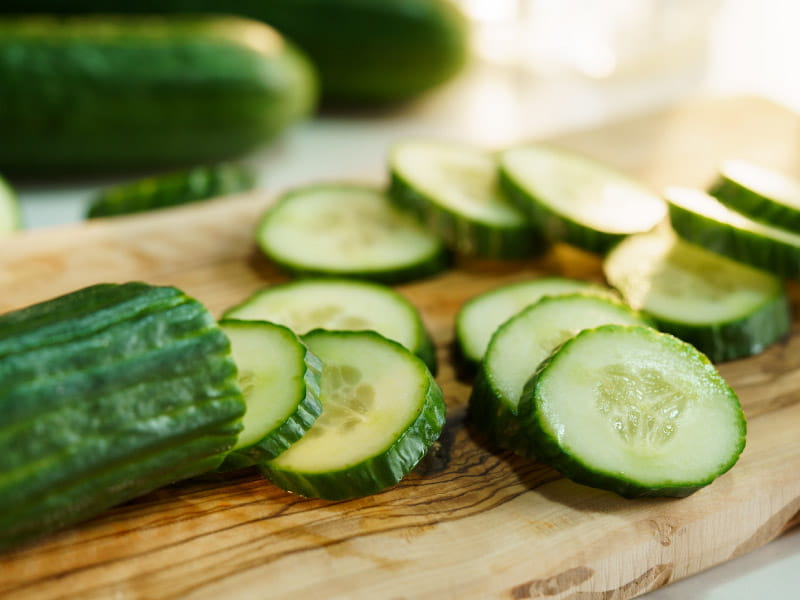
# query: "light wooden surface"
471,522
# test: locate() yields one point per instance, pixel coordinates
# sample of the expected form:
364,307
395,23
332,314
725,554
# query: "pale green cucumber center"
459,178
9,215
770,184
371,392
346,229
584,191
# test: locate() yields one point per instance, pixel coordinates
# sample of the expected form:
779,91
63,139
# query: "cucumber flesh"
381,412
348,230
340,304
280,379
517,348
725,309
575,200
9,209
634,411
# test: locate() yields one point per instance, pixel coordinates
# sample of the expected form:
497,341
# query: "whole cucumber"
111,92
365,50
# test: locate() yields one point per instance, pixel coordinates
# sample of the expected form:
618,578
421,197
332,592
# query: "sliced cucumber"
575,200
341,304
172,189
348,230
381,412
480,316
280,381
452,188
634,411
705,221
9,209
725,309
761,194
517,348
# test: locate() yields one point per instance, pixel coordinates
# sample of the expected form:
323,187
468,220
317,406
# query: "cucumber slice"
9,209
705,221
761,194
341,304
452,188
280,380
725,309
575,200
381,412
517,348
172,189
348,230
634,411
480,316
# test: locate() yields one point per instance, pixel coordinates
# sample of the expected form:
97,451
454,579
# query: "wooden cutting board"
471,522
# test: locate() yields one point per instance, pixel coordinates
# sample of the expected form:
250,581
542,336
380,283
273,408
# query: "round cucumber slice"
761,194
575,200
9,209
517,348
480,316
348,230
341,304
705,221
280,382
381,412
452,188
634,411
725,309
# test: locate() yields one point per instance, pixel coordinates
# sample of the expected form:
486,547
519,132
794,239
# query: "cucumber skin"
168,91
172,189
770,255
365,51
544,446
377,473
754,205
107,393
466,236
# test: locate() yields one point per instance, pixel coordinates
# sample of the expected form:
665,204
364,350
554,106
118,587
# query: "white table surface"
753,48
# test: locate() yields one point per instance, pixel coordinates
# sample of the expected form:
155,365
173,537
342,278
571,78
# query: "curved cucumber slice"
340,304
705,221
575,200
280,379
381,412
761,194
452,188
9,209
348,230
725,309
480,316
516,350
634,411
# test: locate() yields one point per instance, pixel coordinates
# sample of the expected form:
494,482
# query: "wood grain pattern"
470,522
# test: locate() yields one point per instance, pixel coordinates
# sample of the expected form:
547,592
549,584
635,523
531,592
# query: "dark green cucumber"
634,411
107,393
724,308
172,189
762,194
9,209
365,50
101,92
705,221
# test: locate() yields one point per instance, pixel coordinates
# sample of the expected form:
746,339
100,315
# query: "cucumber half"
9,209
480,316
340,304
575,200
517,348
634,411
280,379
452,188
705,221
381,412
726,309
761,194
348,230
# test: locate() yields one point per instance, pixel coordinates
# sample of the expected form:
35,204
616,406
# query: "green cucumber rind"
544,445
753,204
380,471
462,234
